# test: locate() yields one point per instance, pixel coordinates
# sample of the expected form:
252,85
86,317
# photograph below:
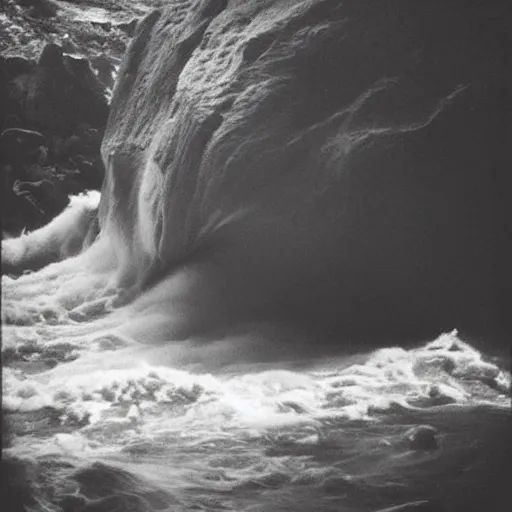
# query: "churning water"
97,420
256,154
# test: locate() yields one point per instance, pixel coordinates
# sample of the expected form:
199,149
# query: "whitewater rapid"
113,398
219,425
136,400
289,185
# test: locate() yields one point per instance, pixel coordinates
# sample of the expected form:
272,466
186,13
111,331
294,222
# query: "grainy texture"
349,155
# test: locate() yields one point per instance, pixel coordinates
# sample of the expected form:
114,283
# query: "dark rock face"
54,95
422,437
344,164
22,147
129,27
61,98
20,152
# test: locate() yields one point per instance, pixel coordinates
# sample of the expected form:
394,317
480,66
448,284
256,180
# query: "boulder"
61,98
64,92
129,26
105,69
340,164
53,96
422,437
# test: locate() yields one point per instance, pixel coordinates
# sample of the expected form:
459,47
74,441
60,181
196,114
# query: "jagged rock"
105,25
68,45
53,96
128,27
422,437
63,92
33,193
61,98
105,68
327,157
30,204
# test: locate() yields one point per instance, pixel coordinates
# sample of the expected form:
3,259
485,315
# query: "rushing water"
256,154
97,420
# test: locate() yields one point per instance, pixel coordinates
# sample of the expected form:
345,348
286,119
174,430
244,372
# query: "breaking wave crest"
268,185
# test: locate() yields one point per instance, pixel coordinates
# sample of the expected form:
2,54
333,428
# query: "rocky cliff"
333,164
342,159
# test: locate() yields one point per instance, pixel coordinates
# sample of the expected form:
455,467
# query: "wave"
279,187
364,431
445,371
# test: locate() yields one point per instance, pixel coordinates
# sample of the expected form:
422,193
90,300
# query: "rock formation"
62,99
53,96
340,165
338,159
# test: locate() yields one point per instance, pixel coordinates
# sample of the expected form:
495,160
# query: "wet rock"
326,136
422,438
20,147
52,117
54,95
100,480
128,27
63,92
105,68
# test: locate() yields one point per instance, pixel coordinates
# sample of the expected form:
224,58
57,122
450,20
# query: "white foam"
62,238
157,400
